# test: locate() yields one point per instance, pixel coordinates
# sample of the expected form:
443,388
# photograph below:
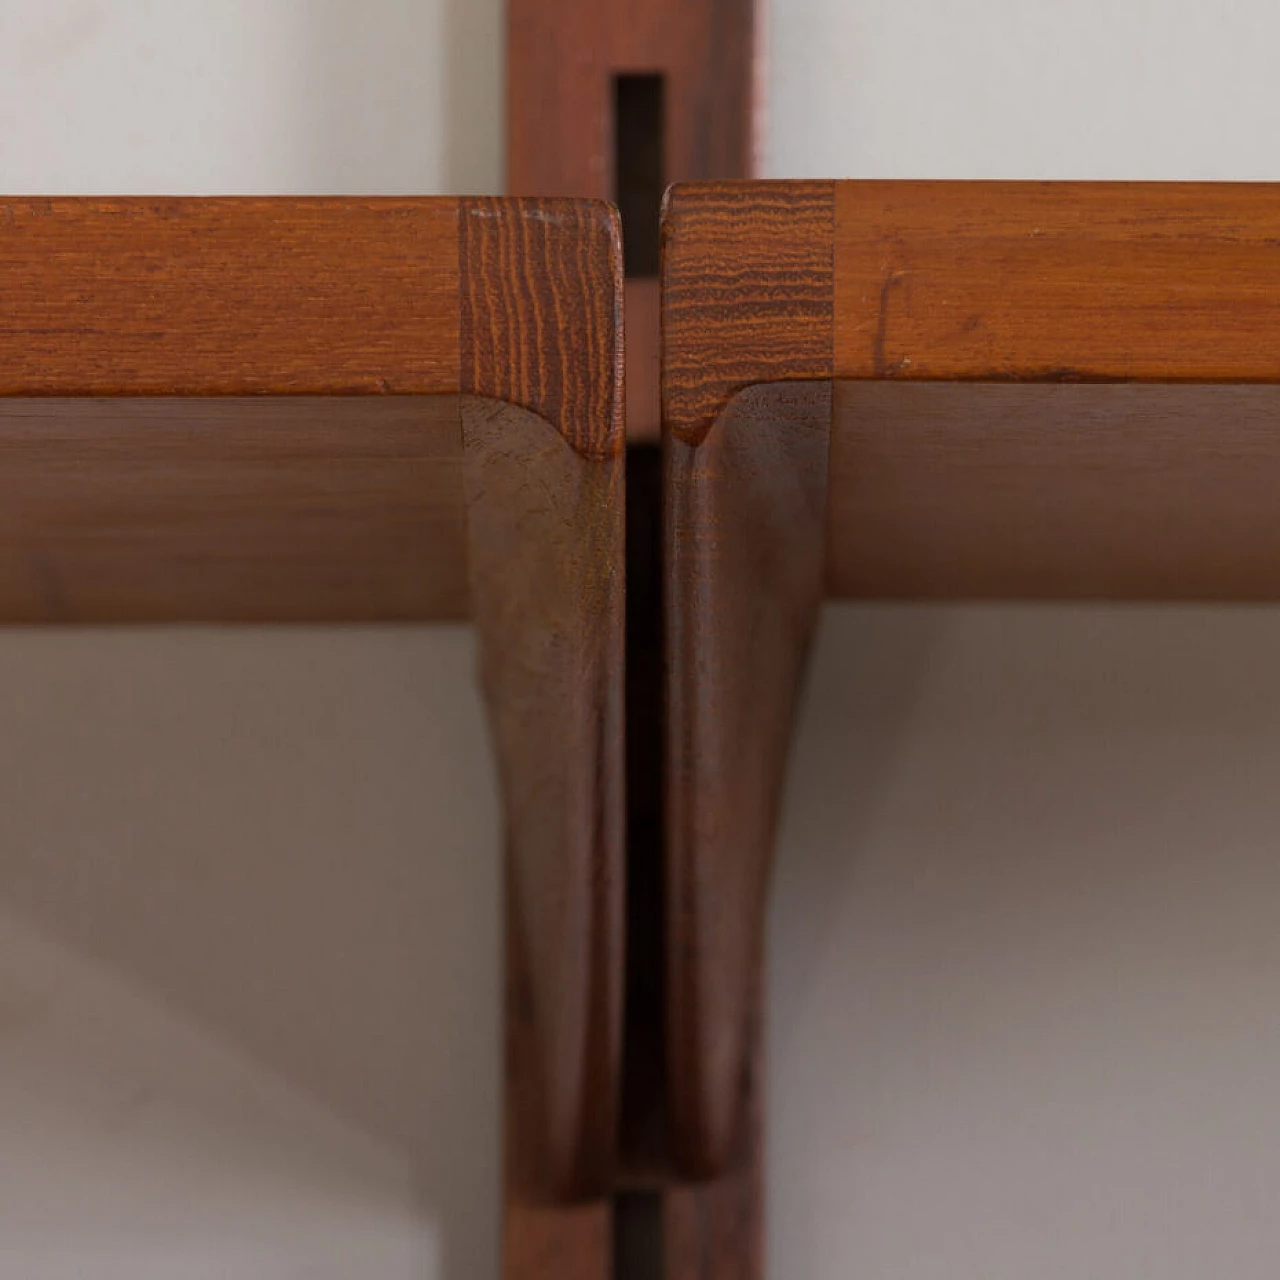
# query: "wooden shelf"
922,390
233,411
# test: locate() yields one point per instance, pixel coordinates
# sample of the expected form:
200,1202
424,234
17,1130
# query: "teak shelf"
287,411
916,390
330,411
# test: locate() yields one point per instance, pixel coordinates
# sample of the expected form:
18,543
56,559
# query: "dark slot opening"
637,1214
637,1236
639,121
643,1121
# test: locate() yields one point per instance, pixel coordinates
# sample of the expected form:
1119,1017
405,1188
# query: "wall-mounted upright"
616,99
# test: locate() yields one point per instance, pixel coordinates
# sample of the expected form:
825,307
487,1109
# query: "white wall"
1023,934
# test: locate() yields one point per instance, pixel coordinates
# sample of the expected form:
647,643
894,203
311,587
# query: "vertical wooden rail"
616,99
590,83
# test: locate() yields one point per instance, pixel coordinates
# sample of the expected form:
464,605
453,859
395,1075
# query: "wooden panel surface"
643,361
227,509
745,529
1058,281
546,551
228,296
1120,492
747,293
541,314
715,1230
547,572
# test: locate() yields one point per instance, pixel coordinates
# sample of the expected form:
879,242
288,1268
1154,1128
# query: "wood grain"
280,509
1058,281
541,314
747,294
714,1230
1109,492
562,56
188,297
941,485
541,328
547,589
545,1236
745,533
560,59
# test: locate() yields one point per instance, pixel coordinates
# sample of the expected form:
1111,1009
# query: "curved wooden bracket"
745,533
547,598
543,449
747,313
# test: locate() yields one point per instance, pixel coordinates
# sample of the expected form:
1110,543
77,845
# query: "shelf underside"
295,509
1127,491
265,510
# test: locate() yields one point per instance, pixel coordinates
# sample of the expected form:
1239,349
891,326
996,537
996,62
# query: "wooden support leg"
540,328
546,551
543,1238
715,1230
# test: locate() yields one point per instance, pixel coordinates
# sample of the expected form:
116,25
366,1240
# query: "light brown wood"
541,314
746,293
1065,281
188,297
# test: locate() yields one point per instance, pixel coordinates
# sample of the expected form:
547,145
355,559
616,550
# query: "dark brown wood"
562,55
544,1237
714,1230
1136,491
564,139
435,430
225,509
541,327
747,297
745,532
548,596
